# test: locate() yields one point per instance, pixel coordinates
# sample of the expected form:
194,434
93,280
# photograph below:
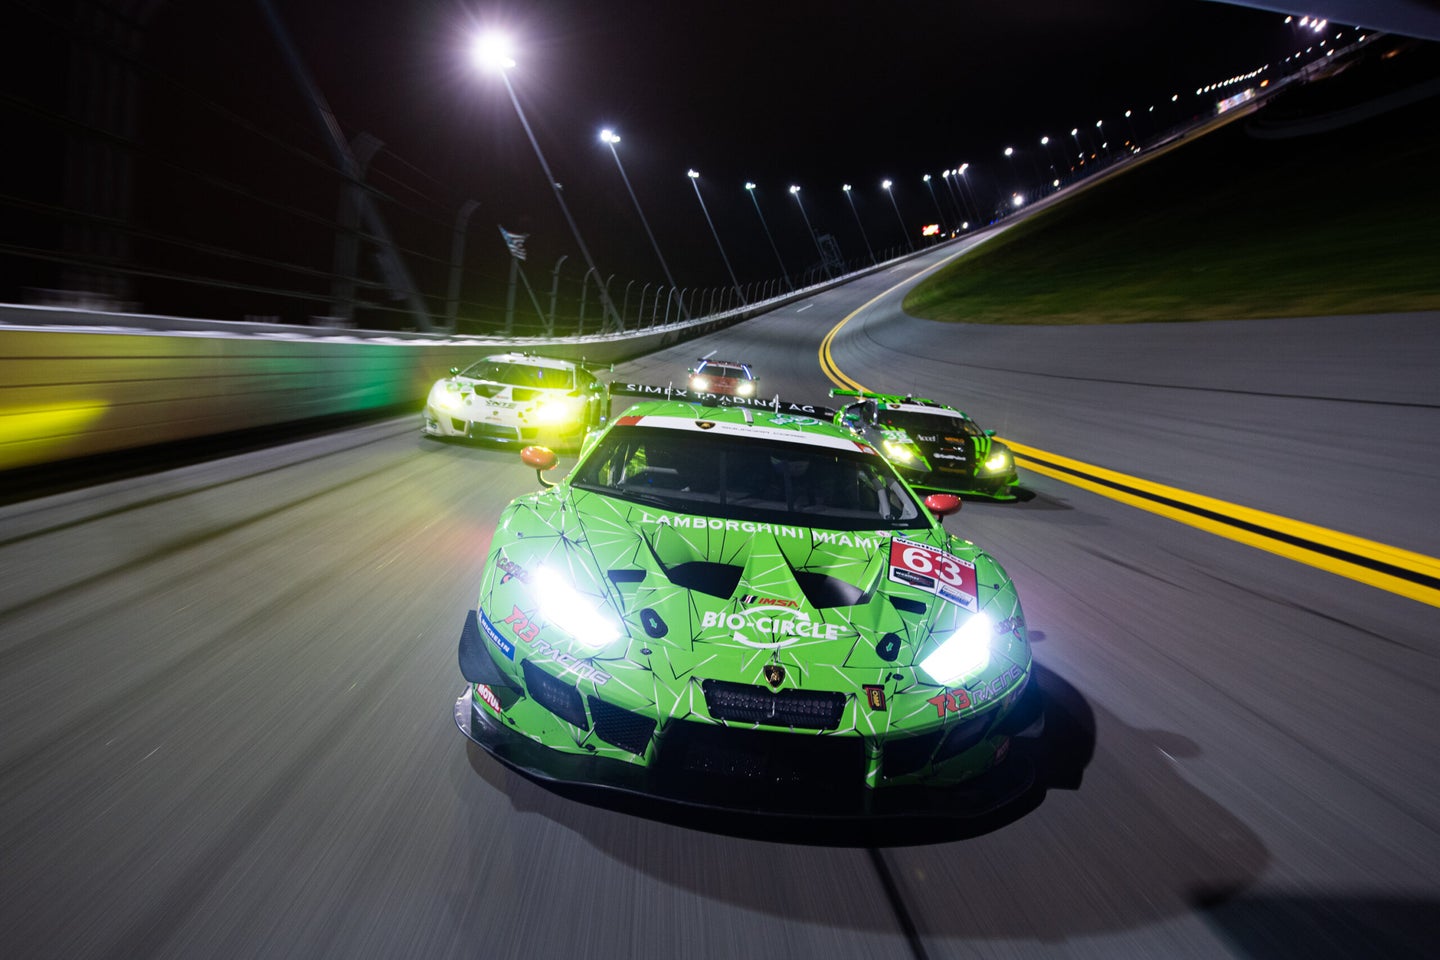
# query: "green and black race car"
934,446
736,605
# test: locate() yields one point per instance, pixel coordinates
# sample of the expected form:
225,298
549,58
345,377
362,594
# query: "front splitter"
979,797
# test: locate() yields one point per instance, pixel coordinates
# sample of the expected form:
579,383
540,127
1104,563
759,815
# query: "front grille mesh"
626,730
746,703
557,696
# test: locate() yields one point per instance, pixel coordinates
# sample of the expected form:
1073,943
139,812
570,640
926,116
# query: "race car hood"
726,596
491,390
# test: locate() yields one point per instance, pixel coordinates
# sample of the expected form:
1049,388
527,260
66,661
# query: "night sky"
809,93
800,92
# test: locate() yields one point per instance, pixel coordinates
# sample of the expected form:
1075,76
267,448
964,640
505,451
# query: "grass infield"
1267,216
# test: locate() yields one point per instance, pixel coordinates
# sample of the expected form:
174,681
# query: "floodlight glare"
492,51
609,136
693,174
885,184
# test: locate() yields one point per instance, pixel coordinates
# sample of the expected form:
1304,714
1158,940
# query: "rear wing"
648,391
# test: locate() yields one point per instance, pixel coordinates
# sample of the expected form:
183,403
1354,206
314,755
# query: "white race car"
518,397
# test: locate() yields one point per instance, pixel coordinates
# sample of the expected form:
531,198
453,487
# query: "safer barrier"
76,383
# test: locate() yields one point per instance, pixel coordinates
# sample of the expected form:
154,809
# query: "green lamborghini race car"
732,606
934,446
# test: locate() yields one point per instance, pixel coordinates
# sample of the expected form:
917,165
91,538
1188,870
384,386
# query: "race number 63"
918,558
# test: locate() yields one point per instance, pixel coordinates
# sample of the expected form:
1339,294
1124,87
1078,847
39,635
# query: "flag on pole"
515,241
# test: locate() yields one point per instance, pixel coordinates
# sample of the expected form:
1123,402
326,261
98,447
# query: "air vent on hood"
823,590
716,579
907,605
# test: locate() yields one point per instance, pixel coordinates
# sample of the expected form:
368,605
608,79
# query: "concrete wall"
74,384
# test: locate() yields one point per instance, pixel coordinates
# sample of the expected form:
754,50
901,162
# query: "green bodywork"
679,598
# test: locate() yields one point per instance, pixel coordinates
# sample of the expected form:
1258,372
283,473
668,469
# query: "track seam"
897,904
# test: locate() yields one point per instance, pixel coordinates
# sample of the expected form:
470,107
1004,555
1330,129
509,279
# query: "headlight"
699,383
572,611
898,451
445,395
558,410
746,388
1000,460
963,652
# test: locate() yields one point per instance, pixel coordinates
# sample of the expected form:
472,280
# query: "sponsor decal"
784,419
948,456
991,689
817,537
504,645
751,599
875,696
782,623
901,575
522,626
953,701
488,695
774,674
924,438
953,579
571,664
512,570
1010,625
682,393
950,701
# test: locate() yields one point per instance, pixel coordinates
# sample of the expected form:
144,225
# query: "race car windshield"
746,478
939,421
519,374
723,370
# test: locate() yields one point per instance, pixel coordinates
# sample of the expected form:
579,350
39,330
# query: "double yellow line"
1403,572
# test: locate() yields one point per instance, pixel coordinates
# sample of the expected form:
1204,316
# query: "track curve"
226,688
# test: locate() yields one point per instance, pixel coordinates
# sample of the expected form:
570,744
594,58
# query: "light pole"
1049,157
863,235
750,189
695,182
610,138
795,192
906,233
490,52
950,192
966,193
931,187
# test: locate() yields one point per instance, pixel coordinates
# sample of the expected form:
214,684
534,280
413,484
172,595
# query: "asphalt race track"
226,690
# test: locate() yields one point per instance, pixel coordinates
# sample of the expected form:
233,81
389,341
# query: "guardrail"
75,383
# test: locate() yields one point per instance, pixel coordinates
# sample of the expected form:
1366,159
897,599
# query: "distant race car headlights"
699,383
558,410
999,462
572,611
746,388
963,652
898,451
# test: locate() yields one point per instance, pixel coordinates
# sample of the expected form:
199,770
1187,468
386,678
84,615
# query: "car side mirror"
989,433
542,459
454,371
942,504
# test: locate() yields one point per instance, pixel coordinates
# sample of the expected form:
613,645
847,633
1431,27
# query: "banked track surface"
226,693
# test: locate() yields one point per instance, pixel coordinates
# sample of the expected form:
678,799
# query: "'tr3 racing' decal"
934,571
